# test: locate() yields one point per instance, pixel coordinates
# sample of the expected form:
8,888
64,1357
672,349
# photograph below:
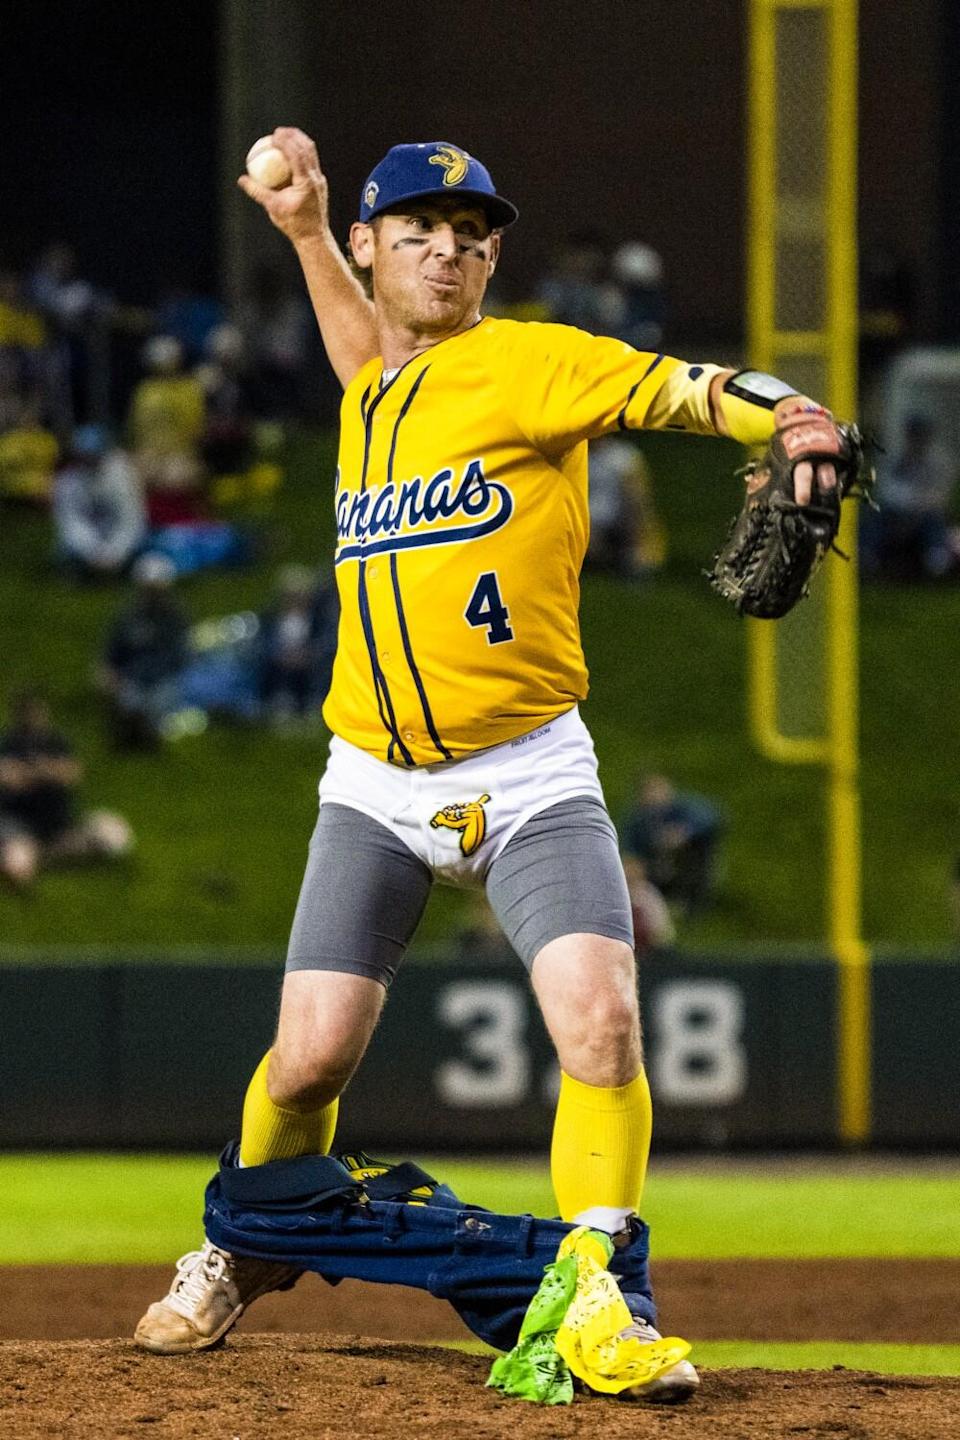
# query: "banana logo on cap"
454,162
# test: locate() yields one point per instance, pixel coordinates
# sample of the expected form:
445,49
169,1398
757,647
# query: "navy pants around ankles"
488,1266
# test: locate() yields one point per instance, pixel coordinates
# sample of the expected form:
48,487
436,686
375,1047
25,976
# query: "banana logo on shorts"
454,162
470,819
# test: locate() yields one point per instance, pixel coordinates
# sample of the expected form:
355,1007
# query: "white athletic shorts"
458,815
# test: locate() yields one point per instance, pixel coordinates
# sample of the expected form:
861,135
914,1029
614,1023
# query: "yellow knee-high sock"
601,1140
272,1133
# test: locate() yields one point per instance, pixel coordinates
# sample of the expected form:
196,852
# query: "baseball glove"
775,545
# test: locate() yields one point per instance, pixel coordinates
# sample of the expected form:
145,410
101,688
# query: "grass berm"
223,819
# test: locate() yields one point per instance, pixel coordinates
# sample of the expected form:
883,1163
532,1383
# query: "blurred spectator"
165,424
228,430
196,545
675,834
653,925
78,317
277,325
11,389
39,775
223,377
908,536
298,637
222,676
98,511
243,473
146,652
619,294
502,303
22,330
576,290
626,535
189,316
275,666
28,448
888,305
637,271
56,288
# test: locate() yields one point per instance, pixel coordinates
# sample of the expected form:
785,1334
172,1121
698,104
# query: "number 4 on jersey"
486,609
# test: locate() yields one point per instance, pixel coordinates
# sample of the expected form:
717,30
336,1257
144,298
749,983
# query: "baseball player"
458,751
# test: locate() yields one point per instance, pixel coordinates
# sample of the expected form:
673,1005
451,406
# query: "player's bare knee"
603,1046
304,1084
597,1033
587,989
614,1016
326,1020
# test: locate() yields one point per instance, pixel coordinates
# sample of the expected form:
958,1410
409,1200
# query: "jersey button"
409,735
384,656
373,572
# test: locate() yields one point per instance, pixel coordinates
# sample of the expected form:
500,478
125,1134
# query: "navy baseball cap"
435,167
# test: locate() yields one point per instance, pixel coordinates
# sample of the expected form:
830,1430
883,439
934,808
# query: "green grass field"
223,820
147,1208
812,1355
87,1208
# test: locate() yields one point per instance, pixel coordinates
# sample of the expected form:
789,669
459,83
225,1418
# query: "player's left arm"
564,386
744,405
745,401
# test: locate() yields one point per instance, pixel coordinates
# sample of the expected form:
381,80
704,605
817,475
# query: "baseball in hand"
267,164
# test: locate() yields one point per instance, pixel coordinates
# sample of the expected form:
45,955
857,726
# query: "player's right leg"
361,900
326,1020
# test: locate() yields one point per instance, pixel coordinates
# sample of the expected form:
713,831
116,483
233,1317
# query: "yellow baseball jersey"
462,524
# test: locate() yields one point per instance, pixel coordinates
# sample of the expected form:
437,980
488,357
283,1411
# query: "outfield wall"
740,1052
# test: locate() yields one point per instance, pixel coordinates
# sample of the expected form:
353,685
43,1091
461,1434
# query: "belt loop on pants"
393,1219
525,1235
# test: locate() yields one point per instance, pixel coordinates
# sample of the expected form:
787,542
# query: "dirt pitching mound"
905,1301
339,1360
292,1386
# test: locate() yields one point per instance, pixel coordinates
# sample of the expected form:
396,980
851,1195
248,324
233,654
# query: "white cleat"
674,1386
210,1292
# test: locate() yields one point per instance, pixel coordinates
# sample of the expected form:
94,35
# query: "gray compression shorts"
364,891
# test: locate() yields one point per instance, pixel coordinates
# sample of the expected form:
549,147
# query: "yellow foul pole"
844,828
790,52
